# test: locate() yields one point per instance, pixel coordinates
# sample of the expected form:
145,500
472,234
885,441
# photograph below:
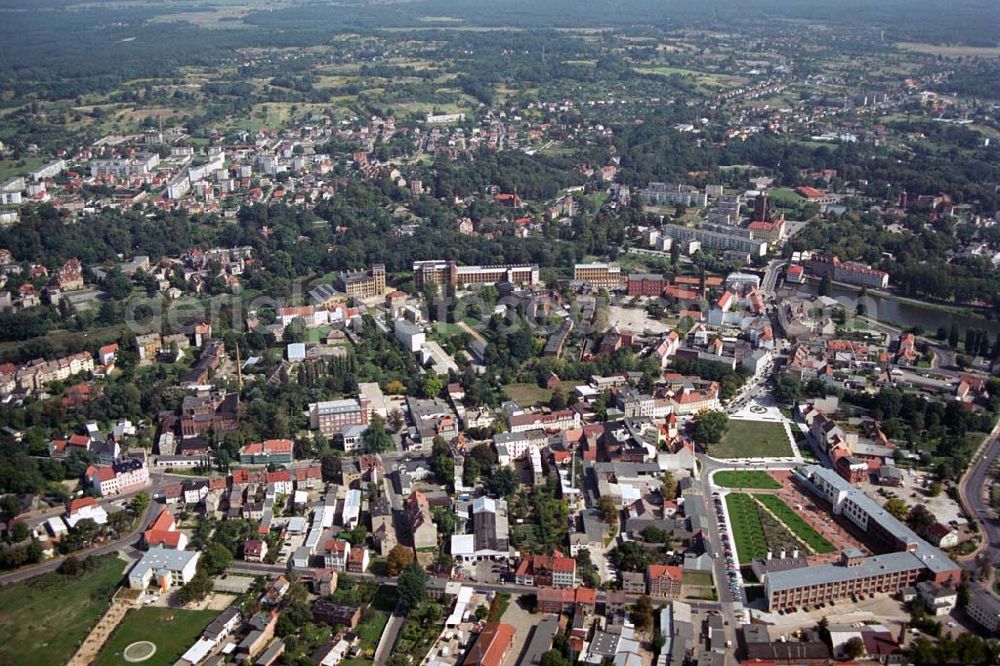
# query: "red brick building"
645,284
664,580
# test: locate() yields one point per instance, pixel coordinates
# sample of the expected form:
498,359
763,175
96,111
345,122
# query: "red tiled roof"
271,446
77,504
279,475
661,570
162,537
809,192
164,521
79,440
491,645
563,564
336,545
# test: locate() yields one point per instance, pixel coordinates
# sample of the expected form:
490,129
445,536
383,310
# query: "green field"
752,439
732,478
793,521
698,578
171,629
784,196
747,530
42,621
528,395
370,629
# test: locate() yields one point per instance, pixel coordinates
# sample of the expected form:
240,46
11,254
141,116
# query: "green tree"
10,508
470,472
412,585
642,613
630,556
376,439
896,508
196,589
826,286
920,519
358,535
398,559
553,658
503,483
432,386
20,532
329,464
216,558
396,420
607,510
669,488
708,427
139,503
654,534
854,648
558,399
787,388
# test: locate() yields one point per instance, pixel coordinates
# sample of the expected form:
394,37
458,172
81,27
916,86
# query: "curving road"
972,489
47,566
159,481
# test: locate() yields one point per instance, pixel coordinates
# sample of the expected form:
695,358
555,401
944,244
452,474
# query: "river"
905,313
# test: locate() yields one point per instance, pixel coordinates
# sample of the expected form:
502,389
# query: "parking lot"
635,319
734,577
913,491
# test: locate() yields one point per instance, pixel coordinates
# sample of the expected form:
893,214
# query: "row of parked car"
732,566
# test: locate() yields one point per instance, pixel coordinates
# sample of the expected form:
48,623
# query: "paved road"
118,544
771,276
972,489
239,567
944,356
159,481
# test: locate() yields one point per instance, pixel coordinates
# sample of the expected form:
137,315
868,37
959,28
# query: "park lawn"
748,533
43,620
528,394
796,523
172,630
733,478
752,439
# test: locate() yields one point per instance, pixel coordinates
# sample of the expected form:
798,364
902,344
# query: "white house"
165,567
411,336
85,508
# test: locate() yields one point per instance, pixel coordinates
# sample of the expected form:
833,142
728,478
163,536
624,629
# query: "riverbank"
964,310
904,311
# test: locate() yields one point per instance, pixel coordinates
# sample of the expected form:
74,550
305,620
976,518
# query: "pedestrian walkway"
791,440
98,636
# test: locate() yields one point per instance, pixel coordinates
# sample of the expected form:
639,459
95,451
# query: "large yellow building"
600,275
